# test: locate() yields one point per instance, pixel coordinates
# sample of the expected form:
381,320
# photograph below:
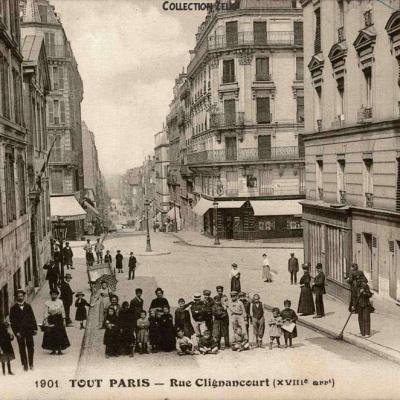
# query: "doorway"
228,225
394,260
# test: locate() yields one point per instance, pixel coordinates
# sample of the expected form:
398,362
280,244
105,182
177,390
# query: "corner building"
352,141
244,121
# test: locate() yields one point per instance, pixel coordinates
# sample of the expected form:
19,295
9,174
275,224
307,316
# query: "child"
240,340
108,258
142,333
6,349
246,303
289,318
207,344
275,330
182,319
126,323
167,331
111,334
153,331
221,322
81,304
183,344
257,319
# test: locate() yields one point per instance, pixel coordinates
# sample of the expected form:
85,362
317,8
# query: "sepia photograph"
199,199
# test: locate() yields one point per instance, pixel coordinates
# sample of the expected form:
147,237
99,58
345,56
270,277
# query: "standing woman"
6,349
55,336
235,278
160,301
266,269
167,331
103,297
306,300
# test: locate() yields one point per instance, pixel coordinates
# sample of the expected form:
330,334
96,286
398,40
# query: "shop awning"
231,204
171,213
91,209
202,206
276,207
67,208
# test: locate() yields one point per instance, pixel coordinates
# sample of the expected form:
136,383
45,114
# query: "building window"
4,305
50,44
228,75
317,37
299,68
368,183
300,108
367,72
10,186
263,110
21,185
318,107
266,224
232,183
231,33
340,14
43,13
56,112
27,271
5,92
340,98
260,32
319,169
17,96
262,69
57,77
56,181
17,281
298,33
341,186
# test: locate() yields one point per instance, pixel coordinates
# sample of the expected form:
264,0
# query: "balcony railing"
271,191
369,200
224,120
244,154
251,39
262,77
63,157
57,51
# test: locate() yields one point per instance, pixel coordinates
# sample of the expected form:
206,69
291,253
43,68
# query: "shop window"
293,224
266,225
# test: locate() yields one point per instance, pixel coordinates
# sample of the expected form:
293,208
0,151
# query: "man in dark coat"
68,256
319,290
118,261
208,302
52,275
131,266
353,280
293,268
364,308
136,305
66,296
23,324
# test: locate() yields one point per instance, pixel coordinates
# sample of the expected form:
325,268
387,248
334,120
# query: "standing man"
136,305
198,312
23,324
118,262
89,252
319,290
68,256
293,268
238,312
66,296
52,275
98,248
355,279
208,302
131,266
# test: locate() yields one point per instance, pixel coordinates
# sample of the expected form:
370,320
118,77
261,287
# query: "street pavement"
187,269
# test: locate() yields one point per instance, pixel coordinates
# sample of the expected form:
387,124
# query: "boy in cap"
198,312
208,303
220,291
240,340
81,304
257,319
293,268
238,312
221,322
207,344
246,304
183,344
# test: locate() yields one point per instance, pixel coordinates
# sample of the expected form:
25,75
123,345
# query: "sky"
129,53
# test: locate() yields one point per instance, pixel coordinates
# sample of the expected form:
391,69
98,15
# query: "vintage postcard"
199,199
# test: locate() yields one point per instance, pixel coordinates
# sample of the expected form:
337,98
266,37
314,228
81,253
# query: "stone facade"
352,143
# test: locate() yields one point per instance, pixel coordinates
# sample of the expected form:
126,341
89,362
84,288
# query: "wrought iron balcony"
262,77
243,154
221,120
369,200
342,196
249,38
57,51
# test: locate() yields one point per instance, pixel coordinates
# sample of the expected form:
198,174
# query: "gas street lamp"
148,243
216,238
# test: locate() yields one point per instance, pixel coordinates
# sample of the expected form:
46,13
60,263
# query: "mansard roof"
30,12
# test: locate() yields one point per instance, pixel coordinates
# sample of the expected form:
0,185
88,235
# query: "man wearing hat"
208,303
66,296
246,303
293,268
220,291
238,312
319,290
52,274
198,310
23,324
355,279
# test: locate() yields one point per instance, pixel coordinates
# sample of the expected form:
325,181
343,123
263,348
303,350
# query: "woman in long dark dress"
182,319
154,330
6,349
167,331
126,325
111,335
306,300
55,336
160,301
235,279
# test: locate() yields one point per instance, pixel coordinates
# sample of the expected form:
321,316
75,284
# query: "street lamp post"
148,243
216,238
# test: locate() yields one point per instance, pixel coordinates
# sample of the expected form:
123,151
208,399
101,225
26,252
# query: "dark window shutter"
264,147
299,68
260,32
263,110
62,112
231,33
61,77
317,40
50,105
300,141
298,32
300,108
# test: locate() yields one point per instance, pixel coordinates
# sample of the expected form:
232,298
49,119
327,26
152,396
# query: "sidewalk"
385,324
197,239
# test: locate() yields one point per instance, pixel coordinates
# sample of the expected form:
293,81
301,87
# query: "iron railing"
261,77
249,38
244,154
288,191
220,120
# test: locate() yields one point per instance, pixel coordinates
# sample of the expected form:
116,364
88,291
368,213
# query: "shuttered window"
62,111
263,110
50,106
317,39
260,32
299,68
300,108
298,32
231,33
228,73
262,69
